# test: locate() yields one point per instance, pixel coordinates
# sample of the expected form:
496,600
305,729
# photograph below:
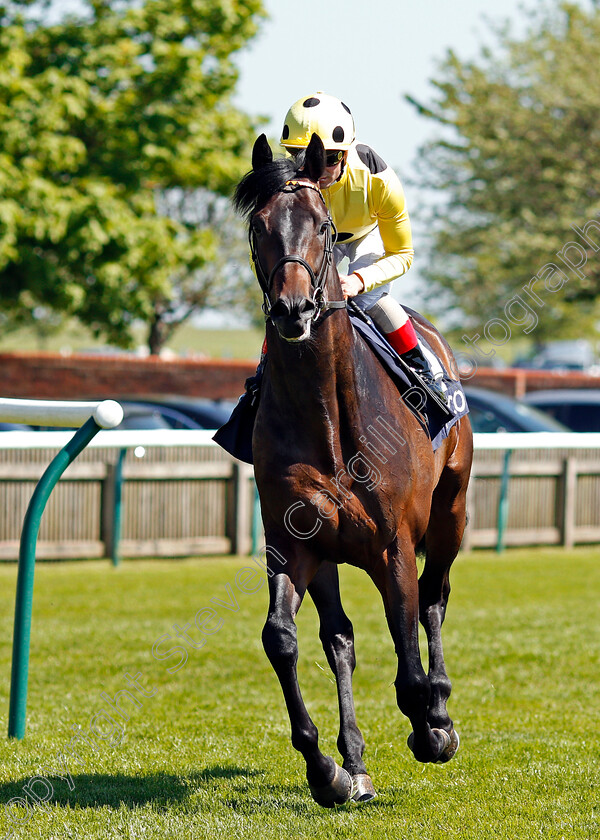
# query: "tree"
224,282
102,114
516,164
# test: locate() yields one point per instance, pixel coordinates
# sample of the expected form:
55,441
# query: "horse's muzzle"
293,317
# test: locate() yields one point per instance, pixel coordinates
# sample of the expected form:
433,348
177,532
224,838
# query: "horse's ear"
314,161
261,153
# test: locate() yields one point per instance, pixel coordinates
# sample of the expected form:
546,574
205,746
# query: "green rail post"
503,502
256,519
117,508
24,598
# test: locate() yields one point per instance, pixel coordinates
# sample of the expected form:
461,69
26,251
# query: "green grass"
187,341
209,756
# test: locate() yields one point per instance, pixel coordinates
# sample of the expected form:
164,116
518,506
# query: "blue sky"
368,53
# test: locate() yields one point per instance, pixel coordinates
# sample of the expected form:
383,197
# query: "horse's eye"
323,228
256,228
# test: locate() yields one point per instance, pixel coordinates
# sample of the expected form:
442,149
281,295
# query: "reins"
317,280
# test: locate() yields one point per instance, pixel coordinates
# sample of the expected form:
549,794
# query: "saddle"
235,436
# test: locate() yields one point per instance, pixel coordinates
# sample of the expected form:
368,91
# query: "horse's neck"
315,382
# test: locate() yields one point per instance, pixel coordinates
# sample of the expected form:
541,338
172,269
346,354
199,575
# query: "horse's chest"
339,512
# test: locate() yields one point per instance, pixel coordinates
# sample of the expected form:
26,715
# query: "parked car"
578,409
208,414
142,415
158,416
562,356
491,411
14,427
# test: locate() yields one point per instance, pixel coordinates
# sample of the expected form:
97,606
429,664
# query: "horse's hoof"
447,750
338,791
451,749
362,787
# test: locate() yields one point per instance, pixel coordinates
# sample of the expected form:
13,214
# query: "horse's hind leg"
337,638
443,539
329,784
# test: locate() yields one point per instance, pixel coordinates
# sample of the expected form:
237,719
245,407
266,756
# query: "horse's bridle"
317,280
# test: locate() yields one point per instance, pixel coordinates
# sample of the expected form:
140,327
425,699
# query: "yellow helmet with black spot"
319,114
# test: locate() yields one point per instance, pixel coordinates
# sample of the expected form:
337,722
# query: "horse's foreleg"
337,638
444,535
329,784
396,578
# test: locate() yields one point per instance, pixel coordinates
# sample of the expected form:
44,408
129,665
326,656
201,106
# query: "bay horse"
346,473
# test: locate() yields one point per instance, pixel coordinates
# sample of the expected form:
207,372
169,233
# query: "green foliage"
516,163
208,755
101,115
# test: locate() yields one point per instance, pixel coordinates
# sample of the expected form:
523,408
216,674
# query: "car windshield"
578,416
143,420
583,418
535,417
491,412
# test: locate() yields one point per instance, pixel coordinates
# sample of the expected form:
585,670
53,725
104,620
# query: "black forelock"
258,186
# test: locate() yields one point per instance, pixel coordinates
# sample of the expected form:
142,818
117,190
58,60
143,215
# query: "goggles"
334,157
331,158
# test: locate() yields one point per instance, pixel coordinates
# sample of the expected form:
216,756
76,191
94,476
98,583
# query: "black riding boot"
417,362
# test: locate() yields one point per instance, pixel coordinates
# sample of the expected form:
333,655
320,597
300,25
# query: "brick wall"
516,382
53,376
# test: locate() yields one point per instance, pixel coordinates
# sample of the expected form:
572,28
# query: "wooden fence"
194,499
553,498
176,501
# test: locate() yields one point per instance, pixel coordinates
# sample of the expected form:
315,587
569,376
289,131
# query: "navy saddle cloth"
236,435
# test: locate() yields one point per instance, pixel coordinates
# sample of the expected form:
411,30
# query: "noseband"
317,280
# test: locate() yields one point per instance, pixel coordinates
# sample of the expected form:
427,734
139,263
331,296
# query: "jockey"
366,201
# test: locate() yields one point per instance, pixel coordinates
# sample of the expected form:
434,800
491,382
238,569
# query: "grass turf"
207,754
187,340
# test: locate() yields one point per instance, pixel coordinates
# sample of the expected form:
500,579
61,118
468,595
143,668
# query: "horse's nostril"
300,310
280,309
292,317
307,307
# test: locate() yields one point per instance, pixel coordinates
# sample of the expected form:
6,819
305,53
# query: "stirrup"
434,387
419,364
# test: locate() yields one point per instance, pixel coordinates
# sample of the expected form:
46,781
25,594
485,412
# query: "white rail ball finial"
108,414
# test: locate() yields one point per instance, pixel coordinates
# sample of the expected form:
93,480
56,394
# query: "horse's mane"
258,186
